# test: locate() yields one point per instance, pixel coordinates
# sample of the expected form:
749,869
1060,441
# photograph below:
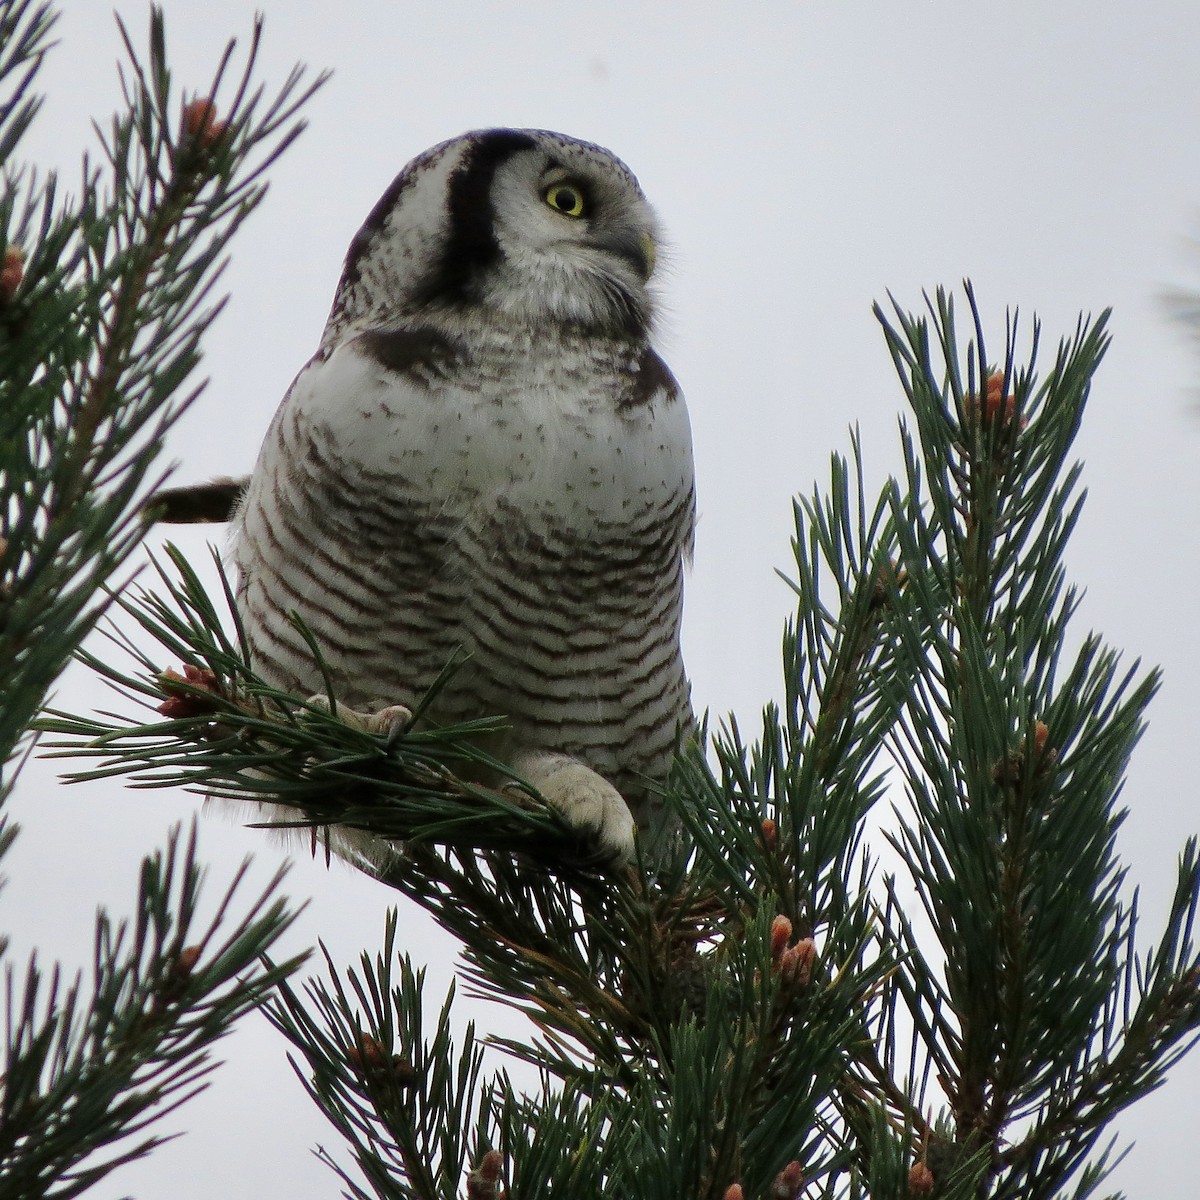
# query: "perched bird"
487,455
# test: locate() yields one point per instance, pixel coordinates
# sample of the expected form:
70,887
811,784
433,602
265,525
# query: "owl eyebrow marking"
558,171
471,243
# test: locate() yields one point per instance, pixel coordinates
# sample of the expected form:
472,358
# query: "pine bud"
369,1056
734,1192
373,1060
1040,733
996,404
178,976
795,967
483,1183
182,698
770,835
787,1184
189,956
11,273
199,124
889,577
920,1180
1010,770
781,934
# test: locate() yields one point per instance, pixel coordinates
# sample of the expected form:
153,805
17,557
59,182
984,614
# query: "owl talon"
389,722
584,799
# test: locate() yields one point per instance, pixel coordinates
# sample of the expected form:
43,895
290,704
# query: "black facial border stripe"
471,237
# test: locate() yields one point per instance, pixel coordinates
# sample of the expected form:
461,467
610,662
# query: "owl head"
509,224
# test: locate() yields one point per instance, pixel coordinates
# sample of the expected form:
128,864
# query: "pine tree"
765,1014
105,296
788,1003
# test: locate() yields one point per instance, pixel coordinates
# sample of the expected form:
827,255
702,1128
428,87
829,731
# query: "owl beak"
637,249
648,255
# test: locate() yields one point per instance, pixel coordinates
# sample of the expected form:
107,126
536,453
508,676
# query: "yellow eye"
566,198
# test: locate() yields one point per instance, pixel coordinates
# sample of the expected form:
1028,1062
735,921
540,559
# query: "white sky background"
804,159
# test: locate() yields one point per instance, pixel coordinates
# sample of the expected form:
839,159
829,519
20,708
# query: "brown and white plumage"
487,455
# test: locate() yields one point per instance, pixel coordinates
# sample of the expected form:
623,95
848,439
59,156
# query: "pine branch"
226,732
1012,762
755,1015
89,1070
407,1103
106,301
606,968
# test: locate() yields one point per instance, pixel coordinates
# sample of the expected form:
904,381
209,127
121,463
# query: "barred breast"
527,502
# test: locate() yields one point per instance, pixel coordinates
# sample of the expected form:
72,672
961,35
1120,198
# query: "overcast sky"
805,159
